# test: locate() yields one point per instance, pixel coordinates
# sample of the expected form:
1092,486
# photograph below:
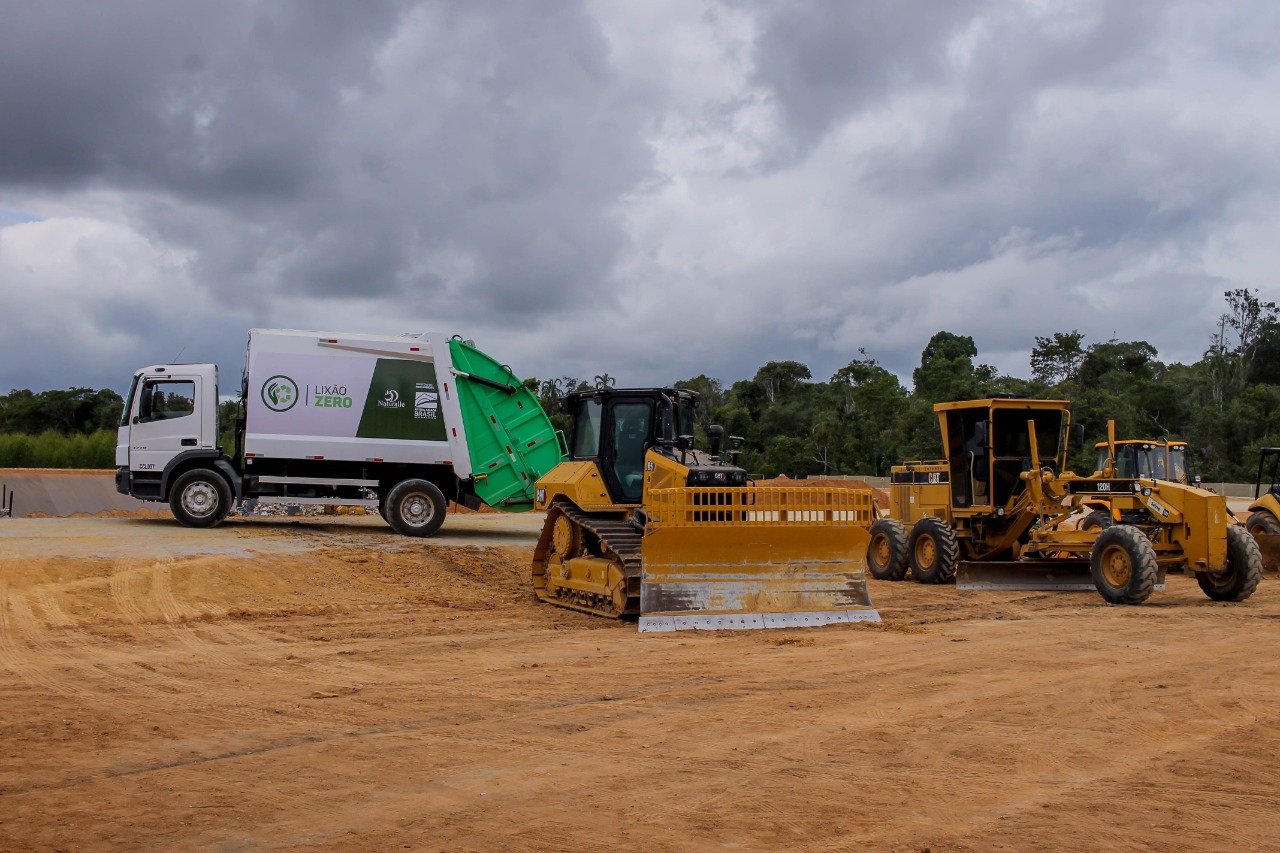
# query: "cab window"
586,430
167,400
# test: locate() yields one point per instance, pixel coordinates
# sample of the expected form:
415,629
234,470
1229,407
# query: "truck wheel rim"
1115,566
200,499
417,510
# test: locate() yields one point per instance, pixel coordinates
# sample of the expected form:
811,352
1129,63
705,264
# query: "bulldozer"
1145,458
641,525
1000,511
1264,512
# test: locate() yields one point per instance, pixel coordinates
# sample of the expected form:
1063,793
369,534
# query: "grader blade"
1269,545
1032,575
755,558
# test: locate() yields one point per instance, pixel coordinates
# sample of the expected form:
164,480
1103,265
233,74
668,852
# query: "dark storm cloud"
336,149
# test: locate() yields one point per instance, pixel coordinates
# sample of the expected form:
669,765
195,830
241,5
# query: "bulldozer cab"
615,427
988,446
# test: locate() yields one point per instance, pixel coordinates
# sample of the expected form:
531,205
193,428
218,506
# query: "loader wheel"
1099,519
1262,522
1244,568
887,553
200,498
415,508
933,551
1123,565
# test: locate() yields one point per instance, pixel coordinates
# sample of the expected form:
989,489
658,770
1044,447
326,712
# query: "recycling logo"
279,393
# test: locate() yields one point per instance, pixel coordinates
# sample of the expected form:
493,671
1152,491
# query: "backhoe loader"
1264,513
641,525
1000,512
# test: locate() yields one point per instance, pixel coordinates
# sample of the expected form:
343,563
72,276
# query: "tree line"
863,420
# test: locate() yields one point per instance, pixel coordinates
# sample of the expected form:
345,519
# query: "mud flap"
1269,545
770,576
1041,575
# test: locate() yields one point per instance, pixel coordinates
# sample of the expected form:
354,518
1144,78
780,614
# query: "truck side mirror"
1076,439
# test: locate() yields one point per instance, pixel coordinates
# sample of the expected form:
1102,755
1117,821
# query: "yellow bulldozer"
641,525
1264,512
1000,511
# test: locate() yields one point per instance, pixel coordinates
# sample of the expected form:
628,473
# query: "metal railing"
757,506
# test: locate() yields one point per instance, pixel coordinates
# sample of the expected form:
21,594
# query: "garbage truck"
400,424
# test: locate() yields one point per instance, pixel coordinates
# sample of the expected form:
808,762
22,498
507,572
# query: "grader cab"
1001,511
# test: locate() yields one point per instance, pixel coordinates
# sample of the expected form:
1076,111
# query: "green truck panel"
511,439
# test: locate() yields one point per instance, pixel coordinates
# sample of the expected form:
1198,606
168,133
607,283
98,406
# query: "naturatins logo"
280,393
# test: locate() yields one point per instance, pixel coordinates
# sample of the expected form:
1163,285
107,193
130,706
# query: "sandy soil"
325,685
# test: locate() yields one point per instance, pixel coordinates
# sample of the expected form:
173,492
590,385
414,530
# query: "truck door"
164,420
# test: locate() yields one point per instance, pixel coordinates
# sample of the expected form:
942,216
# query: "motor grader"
1000,511
1153,459
641,525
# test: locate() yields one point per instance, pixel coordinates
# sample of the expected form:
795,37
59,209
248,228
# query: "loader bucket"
755,557
1059,575
1269,545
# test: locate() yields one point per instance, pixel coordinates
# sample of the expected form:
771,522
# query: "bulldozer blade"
777,576
1269,545
1043,575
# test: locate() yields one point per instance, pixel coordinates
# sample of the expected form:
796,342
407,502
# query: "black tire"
1262,522
1123,564
933,553
887,552
1099,519
200,498
415,508
1244,568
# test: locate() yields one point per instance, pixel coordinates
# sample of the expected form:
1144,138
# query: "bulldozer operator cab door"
615,432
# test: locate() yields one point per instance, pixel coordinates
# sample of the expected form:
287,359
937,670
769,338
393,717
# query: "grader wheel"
934,554
1244,569
1123,565
887,553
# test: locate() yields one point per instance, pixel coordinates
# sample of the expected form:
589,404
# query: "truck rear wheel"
934,554
200,498
1123,565
415,508
887,553
1244,568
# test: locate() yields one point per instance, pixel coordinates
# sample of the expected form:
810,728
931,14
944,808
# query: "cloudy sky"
647,188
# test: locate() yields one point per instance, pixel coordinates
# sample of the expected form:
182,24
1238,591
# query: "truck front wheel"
415,508
200,498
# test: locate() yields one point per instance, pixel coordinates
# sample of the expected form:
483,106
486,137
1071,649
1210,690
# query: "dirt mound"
880,496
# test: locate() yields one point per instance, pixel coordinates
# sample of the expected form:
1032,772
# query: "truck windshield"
128,401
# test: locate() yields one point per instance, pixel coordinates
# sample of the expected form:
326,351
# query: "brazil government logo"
279,393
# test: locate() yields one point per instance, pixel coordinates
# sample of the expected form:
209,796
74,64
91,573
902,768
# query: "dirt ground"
326,685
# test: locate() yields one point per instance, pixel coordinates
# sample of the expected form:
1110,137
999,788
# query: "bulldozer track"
618,541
